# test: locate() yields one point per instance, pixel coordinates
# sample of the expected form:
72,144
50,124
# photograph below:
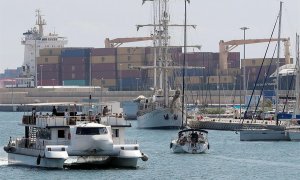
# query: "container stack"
126,58
75,66
48,67
104,67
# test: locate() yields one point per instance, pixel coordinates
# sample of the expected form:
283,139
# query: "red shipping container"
104,67
48,67
73,68
74,75
103,74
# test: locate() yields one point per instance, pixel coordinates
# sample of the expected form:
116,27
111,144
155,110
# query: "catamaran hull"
263,135
27,160
160,119
101,162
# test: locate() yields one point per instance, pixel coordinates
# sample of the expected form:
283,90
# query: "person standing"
54,111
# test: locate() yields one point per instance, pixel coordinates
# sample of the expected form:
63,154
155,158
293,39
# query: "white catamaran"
67,139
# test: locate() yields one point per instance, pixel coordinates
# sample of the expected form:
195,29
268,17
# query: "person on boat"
54,111
33,114
105,111
67,115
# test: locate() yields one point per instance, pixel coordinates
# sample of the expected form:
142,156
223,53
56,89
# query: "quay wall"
46,95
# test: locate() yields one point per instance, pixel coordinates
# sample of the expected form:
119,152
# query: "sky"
87,23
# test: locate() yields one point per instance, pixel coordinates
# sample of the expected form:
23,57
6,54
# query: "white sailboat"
268,134
193,141
163,109
293,130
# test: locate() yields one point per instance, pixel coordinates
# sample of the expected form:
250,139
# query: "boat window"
44,134
61,133
91,130
116,133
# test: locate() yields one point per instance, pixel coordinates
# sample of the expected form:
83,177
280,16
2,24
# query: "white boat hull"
156,119
197,148
27,160
263,135
294,135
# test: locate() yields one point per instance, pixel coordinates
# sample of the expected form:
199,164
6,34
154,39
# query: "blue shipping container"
75,53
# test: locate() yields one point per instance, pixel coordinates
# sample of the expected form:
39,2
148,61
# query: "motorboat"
56,141
193,141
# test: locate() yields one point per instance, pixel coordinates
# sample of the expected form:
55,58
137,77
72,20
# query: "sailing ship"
164,109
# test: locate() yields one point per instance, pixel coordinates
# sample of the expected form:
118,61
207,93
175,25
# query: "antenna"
40,22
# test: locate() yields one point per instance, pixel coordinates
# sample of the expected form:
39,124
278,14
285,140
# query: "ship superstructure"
34,40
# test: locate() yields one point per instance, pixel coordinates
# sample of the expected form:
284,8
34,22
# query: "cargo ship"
34,40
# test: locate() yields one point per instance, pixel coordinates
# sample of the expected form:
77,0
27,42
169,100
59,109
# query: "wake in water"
259,162
3,161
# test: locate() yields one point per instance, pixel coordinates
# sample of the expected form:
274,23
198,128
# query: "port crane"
225,47
119,41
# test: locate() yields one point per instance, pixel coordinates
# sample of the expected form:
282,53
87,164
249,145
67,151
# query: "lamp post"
41,74
137,84
120,77
53,82
244,67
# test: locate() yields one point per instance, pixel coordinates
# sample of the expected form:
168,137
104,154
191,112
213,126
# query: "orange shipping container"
126,66
50,52
103,59
48,60
130,58
131,50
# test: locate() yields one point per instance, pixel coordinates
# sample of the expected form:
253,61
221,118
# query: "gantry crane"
119,41
225,47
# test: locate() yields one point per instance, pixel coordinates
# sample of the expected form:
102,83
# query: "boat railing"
49,120
36,144
131,141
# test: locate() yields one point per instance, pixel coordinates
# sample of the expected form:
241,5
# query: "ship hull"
157,119
27,160
263,135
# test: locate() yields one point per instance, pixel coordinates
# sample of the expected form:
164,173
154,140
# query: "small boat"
193,141
60,140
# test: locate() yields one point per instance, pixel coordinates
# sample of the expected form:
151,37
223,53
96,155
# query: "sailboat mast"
183,66
277,64
297,84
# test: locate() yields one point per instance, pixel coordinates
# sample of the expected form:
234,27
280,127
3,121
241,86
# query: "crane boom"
225,47
119,41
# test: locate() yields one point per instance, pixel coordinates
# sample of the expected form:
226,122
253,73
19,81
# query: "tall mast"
277,64
297,84
183,66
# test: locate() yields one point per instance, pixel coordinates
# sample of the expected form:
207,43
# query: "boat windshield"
91,130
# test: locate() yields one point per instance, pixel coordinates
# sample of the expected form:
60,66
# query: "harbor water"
229,158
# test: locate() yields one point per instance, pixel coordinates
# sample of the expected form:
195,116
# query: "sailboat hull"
263,135
161,118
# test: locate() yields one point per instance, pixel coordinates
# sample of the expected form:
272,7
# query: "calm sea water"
229,158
